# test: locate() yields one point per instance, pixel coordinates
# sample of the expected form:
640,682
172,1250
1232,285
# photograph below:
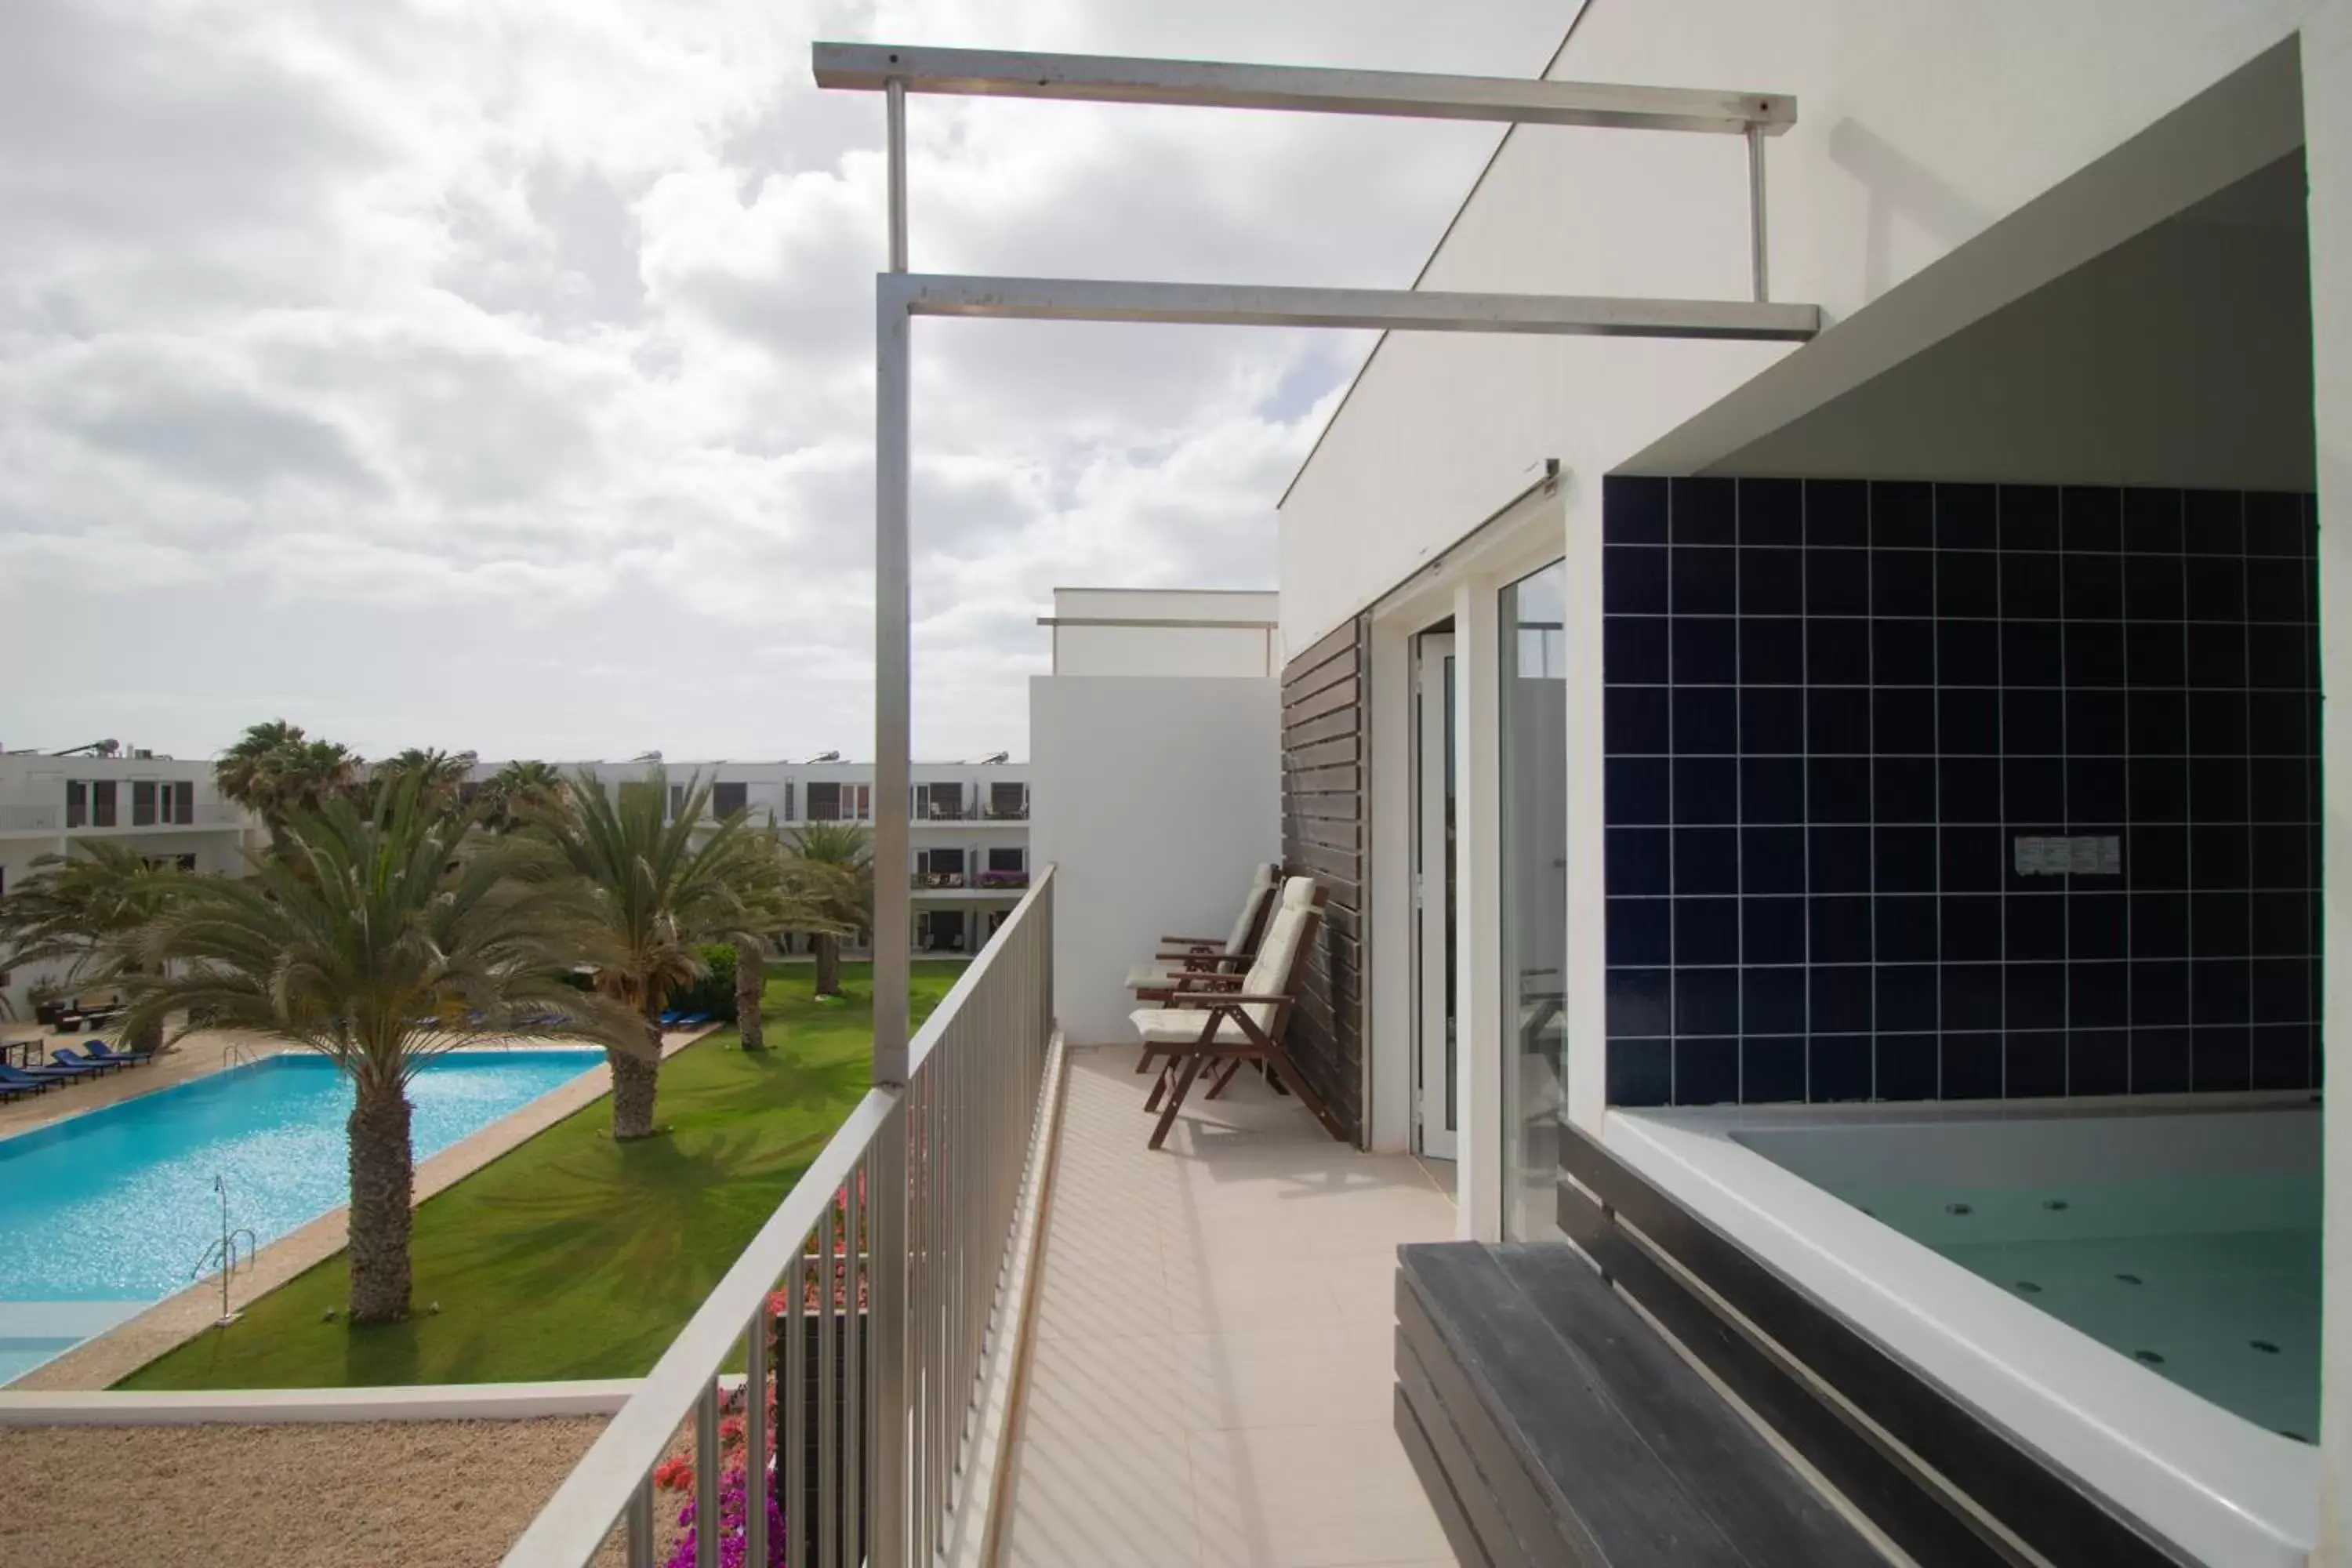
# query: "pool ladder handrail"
223,1254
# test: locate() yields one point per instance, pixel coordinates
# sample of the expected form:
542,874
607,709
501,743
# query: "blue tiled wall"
1833,707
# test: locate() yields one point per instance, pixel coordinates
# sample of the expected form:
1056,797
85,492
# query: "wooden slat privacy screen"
1325,758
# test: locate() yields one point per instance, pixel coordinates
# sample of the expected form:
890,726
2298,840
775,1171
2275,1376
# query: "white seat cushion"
1266,977
1182,1026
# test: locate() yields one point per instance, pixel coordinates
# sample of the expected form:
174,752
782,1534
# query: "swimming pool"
114,1208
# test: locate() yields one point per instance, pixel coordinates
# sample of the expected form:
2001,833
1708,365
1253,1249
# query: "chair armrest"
1196,956
1206,999
1193,941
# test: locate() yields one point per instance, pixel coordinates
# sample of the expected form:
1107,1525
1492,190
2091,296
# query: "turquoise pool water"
117,1206
2211,1279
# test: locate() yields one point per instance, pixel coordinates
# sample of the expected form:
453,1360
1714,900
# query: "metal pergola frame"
900,296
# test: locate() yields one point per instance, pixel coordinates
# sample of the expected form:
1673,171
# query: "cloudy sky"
497,374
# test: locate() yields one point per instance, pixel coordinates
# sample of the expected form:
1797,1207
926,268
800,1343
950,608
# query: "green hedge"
714,990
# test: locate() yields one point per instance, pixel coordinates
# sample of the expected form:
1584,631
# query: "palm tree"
663,884
830,866
275,769
379,936
79,910
441,773
519,789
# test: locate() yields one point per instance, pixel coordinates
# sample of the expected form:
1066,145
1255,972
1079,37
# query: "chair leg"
1152,1102
1143,1063
1176,1102
1224,1076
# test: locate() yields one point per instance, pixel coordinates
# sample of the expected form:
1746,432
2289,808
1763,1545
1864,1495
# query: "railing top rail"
572,1527
935,1027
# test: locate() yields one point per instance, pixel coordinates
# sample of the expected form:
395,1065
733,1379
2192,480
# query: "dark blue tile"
1772,860
1704,511
2156,858
1968,926
2159,1061
2098,925
2282,858
1968,789
2159,925
2218,991
1705,650
1903,789
1972,996
1637,791
1771,789
2220,1058
1906,1067
2279,929
1706,859
1967,723
2282,991
1772,721
2217,655
1839,1000
2098,995
1706,721
2035,1065
2217,784
1902,514
1706,791
2035,927
1840,930
2031,588
1640,861
1904,860
2152,520
1707,1001
1637,718
2219,860
1634,650
1837,581
1640,1002
1706,931
1632,511
2275,724
1771,511
2032,653
1967,653
1771,582
2033,789
1641,1072
1837,651
1837,511
2028,518
1706,579
1907,998
2095,724
1968,584
1773,1001
1837,721
1974,859
2095,655
2277,658
1837,789
2158,791
1903,653
1841,1068
2217,589
2155,652
2034,723
2159,994
1773,1069
1965,519
1838,859
1902,724
2098,1062
1773,928
2220,924
2034,997
2154,587
1633,579
1642,931
2092,517
1707,1072
1906,930
2276,593
1773,652
1902,583
2274,523
2210,523
2096,790
1971,1065
2281,1058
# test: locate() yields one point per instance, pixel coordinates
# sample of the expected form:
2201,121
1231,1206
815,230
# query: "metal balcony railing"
891,1253
31,818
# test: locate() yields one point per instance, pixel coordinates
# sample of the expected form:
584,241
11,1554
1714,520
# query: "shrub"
714,990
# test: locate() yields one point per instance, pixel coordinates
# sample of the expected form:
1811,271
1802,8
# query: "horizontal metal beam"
1165,622
1313,90
1387,309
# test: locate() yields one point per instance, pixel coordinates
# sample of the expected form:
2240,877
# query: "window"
1012,859
823,802
142,803
1008,800
77,803
1532,709
101,803
938,802
726,799
863,794
676,802
788,802
183,803
940,867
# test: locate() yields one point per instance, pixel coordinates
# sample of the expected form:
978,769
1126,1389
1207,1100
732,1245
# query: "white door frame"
1437,1099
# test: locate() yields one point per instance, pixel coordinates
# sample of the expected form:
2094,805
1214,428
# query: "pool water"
2211,1279
118,1206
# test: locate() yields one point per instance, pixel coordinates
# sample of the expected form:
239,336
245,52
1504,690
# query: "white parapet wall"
1155,798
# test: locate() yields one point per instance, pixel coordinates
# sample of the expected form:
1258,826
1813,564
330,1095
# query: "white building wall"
1156,796
1142,631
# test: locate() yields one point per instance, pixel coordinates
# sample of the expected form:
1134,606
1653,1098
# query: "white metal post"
1756,257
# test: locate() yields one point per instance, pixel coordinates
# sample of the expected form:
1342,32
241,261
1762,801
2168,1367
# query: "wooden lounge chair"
1222,1021
1182,956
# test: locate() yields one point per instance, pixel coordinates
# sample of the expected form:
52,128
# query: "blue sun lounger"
67,1057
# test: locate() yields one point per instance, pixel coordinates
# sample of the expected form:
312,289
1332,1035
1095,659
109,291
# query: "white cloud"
499,375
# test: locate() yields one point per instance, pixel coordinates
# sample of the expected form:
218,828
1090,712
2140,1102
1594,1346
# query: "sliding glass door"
1533,712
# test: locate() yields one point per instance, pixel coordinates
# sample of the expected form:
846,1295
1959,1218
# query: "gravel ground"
422,1494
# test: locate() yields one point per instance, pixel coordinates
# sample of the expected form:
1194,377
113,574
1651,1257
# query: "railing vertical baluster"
640,1524
756,1482
706,1476
853,1378
887,1460
828,1411
792,1414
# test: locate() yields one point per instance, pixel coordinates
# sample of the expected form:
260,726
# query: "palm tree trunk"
382,1189
828,965
750,984
635,1079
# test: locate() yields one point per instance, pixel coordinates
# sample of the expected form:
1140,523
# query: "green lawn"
572,1255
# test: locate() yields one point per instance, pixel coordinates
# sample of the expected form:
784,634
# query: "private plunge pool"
104,1213
2132,1292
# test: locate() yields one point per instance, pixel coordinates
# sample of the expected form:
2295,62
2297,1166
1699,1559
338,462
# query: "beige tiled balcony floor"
1209,1382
